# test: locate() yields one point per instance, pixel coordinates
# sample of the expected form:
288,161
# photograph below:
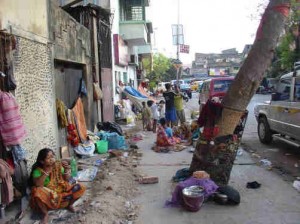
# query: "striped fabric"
12,129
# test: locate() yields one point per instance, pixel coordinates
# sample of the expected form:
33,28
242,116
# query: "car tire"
263,130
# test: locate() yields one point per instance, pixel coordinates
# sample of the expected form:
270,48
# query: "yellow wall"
25,18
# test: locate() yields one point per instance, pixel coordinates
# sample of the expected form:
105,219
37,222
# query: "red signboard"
120,51
184,48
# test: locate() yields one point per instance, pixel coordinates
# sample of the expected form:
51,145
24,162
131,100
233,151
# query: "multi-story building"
227,62
52,45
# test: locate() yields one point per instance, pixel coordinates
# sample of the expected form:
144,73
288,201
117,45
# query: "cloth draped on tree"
213,154
208,118
217,159
12,129
57,192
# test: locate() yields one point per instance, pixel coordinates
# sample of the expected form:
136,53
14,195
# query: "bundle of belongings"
223,195
85,143
176,139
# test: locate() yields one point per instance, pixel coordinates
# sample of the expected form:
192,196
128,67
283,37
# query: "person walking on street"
170,108
178,102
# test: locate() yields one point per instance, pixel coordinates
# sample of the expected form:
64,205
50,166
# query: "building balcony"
136,33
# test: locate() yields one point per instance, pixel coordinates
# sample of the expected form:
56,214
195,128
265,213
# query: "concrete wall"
42,35
71,43
25,18
35,95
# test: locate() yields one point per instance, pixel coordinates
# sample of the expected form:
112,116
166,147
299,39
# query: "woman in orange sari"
50,184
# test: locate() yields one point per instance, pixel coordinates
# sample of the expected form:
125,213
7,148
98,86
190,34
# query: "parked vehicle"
214,87
195,85
280,118
173,82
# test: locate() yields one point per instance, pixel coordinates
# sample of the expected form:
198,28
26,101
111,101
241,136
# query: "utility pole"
177,32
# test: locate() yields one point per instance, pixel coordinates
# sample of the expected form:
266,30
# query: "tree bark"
251,73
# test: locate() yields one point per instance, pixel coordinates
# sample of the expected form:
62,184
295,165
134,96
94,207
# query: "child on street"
146,117
155,114
161,109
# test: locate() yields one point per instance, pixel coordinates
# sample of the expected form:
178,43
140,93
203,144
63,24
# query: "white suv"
281,117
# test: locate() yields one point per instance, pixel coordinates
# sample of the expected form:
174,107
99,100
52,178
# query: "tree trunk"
216,157
251,73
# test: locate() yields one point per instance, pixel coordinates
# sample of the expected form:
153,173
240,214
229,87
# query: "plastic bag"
86,149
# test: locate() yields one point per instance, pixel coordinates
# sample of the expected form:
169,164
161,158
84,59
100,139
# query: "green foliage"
288,50
161,66
285,52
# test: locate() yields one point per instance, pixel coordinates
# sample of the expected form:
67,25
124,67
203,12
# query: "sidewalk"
275,202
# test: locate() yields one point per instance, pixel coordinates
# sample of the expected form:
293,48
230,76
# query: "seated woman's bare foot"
71,208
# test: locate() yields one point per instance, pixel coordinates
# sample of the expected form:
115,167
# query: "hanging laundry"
12,129
61,113
72,138
80,120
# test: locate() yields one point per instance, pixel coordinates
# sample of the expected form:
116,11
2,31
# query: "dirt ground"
109,198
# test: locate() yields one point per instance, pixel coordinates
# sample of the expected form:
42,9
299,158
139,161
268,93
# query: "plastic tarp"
144,92
134,92
135,96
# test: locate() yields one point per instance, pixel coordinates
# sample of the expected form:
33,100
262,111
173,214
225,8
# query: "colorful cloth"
12,129
61,113
163,140
183,132
57,192
177,199
80,119
217,160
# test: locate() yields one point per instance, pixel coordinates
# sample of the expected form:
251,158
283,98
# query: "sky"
209,26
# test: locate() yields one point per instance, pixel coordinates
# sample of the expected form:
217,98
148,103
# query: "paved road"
275,202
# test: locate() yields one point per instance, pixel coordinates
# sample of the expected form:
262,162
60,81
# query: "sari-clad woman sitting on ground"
51,189
165,140
184,133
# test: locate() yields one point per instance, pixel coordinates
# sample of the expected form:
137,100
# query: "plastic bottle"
73,167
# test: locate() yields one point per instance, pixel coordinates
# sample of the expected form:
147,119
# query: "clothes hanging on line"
12,129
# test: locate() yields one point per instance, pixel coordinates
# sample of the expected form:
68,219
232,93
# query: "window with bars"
132,10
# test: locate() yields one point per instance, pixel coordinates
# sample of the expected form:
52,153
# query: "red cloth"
208,118
210,112
80,119
12,129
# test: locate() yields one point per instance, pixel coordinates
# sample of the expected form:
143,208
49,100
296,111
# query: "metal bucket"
193,198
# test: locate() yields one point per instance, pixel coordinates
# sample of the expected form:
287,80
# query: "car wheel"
264,131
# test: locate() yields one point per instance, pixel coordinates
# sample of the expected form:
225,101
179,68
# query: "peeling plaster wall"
35,95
